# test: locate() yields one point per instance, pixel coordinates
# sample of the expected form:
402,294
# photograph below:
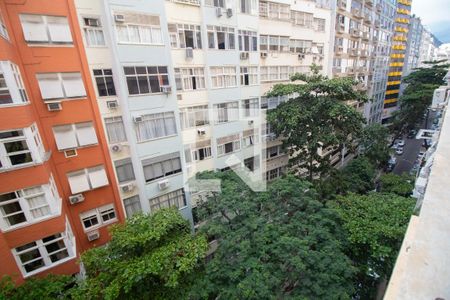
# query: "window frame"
98,214
89,29
178,193
115,121
76,131
45,23
227,75
12,83
229,35
86,172
161,78
103,77
177,31
185,82
189,114
152,119
226,112
173,158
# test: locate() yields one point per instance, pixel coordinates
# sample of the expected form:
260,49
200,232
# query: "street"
412,148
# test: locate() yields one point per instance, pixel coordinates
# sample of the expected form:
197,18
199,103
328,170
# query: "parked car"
420,155
399,151
401,143
412,134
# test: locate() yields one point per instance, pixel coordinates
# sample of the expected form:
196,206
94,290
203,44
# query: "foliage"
398,184
357,177
316,118
375,224
151,256
278,244
374,144
417,96
49,287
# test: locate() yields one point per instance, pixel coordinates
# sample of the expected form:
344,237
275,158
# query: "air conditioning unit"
244,55
93,235
263,54
113,104
189,53
166,89
126,188
163,184
55,106
218,12
119,18
92,22
76,198
137,119
201,131
70,153
250,122
116,148
229,12
301,56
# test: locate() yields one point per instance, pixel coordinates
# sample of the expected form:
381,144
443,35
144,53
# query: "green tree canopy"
374,144
375,225
398,184
278,244
149,257
316,117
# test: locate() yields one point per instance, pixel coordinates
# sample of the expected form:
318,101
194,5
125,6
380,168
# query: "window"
185,36
190,79
248,40
319,24
39,29
198,151
272,152
250,137
12,90
228,144
215,3
61,85
14,149
28,205
302,19
155,126
3,30
98,217
252,163
248,6
194,116
105,82
115,130
124,170
87,179
300,46
132,205
226,112
161,166
175,198
43,253
223,77
275,43
267,132
273,10
93,32
250,107
142,80
220,38
72,136
249,75
138,29
274,174
274,73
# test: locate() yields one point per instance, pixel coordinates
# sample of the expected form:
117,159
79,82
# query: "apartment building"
413,46
428,47
362,46
180,85
398,51
57,184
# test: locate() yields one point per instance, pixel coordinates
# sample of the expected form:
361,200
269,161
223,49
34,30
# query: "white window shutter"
86,134
65,137
34,29
73,85
50,86
59,29
97,177
78,182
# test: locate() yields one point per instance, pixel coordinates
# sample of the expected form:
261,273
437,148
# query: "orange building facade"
57,185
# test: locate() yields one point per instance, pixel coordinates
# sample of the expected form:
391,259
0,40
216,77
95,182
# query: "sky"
435,15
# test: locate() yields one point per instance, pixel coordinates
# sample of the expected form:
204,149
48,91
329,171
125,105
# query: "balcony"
340,28
363,53
356,33
352,51
338,50
365,36
357,13
369,3
367,18
342,5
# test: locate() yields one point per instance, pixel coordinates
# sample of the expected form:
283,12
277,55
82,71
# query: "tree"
49,287
417,96
317,117
374,144
398,184
277,244
375,225
150,257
